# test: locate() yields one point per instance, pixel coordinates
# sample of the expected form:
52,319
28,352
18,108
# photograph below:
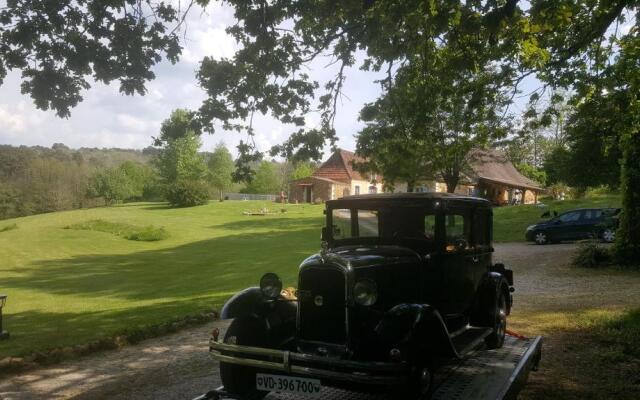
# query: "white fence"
249,196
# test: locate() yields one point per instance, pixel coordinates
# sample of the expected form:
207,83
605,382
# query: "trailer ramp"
482,375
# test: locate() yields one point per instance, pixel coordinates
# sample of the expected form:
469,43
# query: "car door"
587,226
566,226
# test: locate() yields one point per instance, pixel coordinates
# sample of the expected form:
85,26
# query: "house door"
308,194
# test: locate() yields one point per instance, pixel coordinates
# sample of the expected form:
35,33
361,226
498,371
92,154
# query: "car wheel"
541,238
238,379
419,386
609,235
496,339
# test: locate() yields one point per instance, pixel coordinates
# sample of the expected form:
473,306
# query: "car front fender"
418,329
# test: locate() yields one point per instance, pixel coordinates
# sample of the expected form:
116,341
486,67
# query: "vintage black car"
585,223
403,283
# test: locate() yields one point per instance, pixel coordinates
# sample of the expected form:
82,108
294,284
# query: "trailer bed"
482,375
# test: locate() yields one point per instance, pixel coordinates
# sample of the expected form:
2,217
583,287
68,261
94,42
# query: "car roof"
382,198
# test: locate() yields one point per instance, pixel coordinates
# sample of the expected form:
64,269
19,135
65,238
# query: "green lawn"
510,222
70,286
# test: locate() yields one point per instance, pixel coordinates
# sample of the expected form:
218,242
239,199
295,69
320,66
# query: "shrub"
9,228
131,232
591,254
187,194
148,234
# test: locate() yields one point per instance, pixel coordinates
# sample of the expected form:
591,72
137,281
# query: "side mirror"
324,235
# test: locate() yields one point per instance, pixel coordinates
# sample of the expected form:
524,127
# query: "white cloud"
11,122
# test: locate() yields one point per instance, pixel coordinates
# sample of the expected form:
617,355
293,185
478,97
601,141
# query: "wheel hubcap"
425,381
541,238
609,235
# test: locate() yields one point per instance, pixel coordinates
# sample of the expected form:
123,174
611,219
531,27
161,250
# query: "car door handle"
476,258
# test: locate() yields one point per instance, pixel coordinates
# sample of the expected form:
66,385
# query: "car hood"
363,256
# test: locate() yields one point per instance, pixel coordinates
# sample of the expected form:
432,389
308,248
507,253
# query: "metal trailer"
482,375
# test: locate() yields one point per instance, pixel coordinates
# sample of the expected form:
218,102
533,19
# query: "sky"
106,118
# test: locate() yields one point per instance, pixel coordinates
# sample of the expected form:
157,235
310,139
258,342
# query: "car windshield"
389,223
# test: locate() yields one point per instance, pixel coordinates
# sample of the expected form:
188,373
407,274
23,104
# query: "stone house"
491,175
335,178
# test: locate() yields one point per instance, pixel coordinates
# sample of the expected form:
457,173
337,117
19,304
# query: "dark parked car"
575,225
403,283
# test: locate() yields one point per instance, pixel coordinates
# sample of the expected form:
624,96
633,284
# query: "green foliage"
9,227
591,254
78,41
303,170
38,179
532,172
267,179
178,159
131,232
185,193
221,169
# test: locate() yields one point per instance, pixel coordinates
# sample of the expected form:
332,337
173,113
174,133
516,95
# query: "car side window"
481,227
368,225
593,214
341,228
430,226
569,217
457,229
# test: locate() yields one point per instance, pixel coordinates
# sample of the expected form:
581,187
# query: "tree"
181,168
59,44
430,118
267,179
112,184
303,170
178,158
221,168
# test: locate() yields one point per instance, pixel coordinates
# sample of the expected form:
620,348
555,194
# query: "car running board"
468,339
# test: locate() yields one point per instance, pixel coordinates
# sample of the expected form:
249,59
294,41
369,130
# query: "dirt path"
178,367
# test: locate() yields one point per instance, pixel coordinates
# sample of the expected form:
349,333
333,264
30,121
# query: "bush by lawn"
148,233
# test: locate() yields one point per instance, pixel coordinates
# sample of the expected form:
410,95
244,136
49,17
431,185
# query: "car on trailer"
403,284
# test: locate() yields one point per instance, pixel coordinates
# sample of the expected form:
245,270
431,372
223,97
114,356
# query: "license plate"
288,384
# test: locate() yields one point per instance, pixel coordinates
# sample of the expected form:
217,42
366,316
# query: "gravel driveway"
178,367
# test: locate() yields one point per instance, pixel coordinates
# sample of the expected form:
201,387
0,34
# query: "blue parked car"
575,225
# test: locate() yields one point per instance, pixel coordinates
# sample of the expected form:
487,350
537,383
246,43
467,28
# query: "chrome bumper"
287,362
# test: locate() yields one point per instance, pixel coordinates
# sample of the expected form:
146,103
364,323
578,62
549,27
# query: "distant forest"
38,179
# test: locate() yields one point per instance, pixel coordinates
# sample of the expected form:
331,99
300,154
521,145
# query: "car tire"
609,235
496,339
238,379
541,238
419,386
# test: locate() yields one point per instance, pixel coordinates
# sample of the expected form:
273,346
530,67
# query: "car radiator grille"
322,306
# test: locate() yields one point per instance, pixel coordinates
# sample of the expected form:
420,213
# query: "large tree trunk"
411,186
627,246
452,183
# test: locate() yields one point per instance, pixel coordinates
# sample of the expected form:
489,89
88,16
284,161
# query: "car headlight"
365,292
270,285
530,227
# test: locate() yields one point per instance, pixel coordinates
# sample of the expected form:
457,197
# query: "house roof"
494,166
339,167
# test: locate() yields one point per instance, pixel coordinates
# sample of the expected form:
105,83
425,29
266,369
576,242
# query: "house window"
345,192
373,189
357,190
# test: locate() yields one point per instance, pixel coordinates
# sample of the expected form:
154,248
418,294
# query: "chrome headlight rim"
270,285
365,292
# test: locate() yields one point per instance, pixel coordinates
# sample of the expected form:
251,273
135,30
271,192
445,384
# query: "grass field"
70,286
